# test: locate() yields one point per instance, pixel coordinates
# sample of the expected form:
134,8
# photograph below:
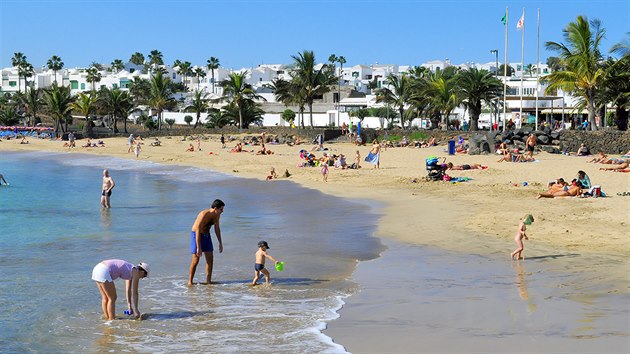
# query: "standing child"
520,235
261,254
198,145
325,169
137,150
357,160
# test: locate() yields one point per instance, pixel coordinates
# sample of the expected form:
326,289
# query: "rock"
550,149
543,139
286,174
474,151
554,135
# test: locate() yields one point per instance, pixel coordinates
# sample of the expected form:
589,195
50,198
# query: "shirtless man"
200,240
531,144
108,185
474,166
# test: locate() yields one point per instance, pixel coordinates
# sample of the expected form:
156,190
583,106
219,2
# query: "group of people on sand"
580,185
514,155
619,164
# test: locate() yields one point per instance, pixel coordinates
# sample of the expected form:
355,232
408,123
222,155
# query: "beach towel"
372,158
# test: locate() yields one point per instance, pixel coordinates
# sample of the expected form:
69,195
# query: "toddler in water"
261,254
520,235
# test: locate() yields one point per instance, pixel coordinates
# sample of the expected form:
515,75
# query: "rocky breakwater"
487,142
608,141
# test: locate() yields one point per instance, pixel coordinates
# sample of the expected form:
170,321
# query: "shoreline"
464,217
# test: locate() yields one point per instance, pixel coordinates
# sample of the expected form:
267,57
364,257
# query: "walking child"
325,170
137,150
261,254
520,235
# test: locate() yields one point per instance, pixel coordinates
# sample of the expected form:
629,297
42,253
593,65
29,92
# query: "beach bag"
446,178
596,191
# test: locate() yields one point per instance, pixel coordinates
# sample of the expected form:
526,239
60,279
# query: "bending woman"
109,270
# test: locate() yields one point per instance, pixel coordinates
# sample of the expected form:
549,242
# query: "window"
12,83
355,74
336,97
131,70
115,86
368,77
518,67
174,76
545,70
82,86
74,84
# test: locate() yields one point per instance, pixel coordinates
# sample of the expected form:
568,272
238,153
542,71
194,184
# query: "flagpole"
505,66
520,111
537,66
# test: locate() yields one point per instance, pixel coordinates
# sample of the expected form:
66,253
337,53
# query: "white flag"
521,22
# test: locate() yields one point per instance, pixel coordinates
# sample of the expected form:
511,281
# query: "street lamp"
496,74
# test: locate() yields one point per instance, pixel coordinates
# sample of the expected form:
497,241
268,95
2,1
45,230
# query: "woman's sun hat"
145,266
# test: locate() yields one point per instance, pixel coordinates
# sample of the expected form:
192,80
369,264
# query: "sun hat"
145,266
263,243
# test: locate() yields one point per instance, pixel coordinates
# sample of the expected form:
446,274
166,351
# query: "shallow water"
54,232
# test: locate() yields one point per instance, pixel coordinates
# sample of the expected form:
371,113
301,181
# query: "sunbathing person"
431,142
573,191
87,144
599,158
583,151
191,148
475,166
272,174
157,142
237,148
558,185
621,166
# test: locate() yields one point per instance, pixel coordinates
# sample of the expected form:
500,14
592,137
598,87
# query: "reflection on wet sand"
521,284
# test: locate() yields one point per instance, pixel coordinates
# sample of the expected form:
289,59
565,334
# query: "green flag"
504,19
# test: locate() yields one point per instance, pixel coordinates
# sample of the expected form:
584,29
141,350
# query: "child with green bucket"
259,267
520,235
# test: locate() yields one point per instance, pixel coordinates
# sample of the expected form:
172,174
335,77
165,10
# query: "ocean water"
54,232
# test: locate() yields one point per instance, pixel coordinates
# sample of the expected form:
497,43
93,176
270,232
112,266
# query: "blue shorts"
258,267
206,243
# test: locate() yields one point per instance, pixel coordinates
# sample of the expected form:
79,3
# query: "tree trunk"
198,117
401,110
591,113
310,112
240,118
621,118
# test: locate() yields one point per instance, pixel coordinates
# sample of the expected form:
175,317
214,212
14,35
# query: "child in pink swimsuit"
520,235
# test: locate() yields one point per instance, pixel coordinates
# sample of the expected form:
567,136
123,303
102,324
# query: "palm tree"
582,74
55,64
117,65
155,59
199,105
250,111
118,104
289,94
185,69
443,95
213,64
312,82
200,73
477,87
399,94
85,104
139,90
25,70
18,61
218,119
58,102
615,87
9,115
93,76
160,94
238,92
137,58
33,102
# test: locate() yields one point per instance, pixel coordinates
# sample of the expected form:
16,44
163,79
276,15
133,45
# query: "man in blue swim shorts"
201,241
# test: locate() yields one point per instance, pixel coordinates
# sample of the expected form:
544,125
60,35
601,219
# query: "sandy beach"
479,216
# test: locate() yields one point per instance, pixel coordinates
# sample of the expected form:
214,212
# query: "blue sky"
244,33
